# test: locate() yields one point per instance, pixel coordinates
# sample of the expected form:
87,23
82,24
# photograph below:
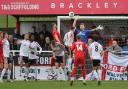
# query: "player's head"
54,25
72,28
5,35
82,26
90,40
95,38
78,37
26,36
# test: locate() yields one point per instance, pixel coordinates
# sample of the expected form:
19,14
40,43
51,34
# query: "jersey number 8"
96,48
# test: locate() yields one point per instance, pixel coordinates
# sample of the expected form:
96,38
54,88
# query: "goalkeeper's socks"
2,73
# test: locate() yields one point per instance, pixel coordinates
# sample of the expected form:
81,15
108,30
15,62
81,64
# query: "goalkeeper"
83,32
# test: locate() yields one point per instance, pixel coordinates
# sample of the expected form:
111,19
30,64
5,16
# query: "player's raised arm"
74,22
100,27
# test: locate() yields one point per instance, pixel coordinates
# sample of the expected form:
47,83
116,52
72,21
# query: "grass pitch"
64,85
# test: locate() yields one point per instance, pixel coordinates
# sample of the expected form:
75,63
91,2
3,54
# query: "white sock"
96,75
72,78
58,73
56,70
8,74
84,80
2,73
63,73
60,70
92,75
26,72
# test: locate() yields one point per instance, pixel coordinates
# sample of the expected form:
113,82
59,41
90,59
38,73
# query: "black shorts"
32,61
96,62
25,59
59,59
7,60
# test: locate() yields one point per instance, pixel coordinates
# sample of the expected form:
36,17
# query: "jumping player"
83,32
56,34
58,55
80,49
96,55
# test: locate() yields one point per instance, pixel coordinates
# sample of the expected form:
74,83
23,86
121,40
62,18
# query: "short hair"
95,38
53,24
72,28
82,23
78,37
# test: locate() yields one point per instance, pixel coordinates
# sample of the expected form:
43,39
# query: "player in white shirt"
24,54
34,46
69,38
33,54
7,61
68,41
96,55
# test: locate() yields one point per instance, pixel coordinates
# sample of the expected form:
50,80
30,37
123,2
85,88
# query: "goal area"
115,27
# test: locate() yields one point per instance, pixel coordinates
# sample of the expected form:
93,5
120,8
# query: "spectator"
114,47
35,32
41,40
44,31
13,43
16,34
10,39
125,47
47,44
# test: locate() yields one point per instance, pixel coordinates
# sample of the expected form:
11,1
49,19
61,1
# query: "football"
71,14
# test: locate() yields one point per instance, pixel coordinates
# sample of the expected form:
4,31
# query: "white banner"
116,67
39,73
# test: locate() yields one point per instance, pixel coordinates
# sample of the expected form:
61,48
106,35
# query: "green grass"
64,85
